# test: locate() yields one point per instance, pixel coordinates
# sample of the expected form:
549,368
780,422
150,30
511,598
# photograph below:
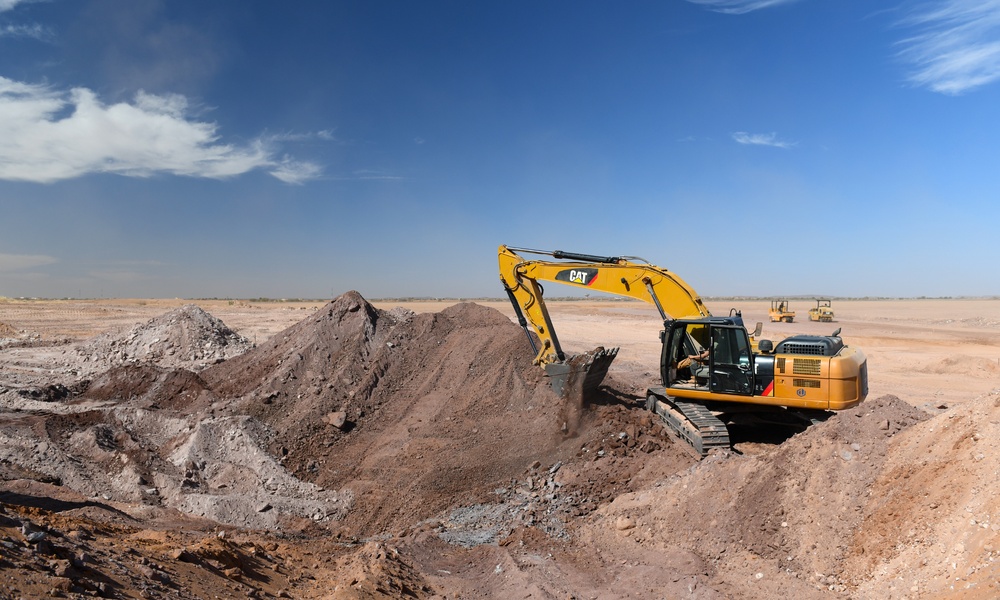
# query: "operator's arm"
701,356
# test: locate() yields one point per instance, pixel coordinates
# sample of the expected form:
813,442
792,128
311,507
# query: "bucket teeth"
581,375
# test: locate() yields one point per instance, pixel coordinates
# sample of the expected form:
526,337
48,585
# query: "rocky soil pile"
364,453
187,337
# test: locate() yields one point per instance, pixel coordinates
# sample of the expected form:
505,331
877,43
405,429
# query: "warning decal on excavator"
577,276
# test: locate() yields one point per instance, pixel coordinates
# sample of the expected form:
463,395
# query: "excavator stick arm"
615,275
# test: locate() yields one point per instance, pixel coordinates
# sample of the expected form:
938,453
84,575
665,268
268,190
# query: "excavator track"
692,422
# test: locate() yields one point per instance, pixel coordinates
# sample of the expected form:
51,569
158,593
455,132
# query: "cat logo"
585,277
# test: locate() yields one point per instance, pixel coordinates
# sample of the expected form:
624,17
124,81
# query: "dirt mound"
433,406
321,362
932,519
377,571
187,337
786,512
150,386
147,434
379,419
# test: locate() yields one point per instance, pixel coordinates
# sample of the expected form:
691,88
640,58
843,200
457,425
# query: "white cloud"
29,31
958,46
761,139
739,7
296,171
325,135
48,135
9,4
13,262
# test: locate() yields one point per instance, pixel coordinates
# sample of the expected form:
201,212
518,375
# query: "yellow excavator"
713,372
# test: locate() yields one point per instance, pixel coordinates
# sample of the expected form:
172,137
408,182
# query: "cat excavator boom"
739,378
616,275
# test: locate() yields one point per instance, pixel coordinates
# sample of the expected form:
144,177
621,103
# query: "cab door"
731,364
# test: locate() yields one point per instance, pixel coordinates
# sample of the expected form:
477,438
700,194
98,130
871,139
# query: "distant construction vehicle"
780,312
712,370
823,312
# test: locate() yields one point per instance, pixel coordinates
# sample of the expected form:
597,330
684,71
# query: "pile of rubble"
187,337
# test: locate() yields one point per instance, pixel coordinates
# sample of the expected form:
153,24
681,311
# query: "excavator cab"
729,366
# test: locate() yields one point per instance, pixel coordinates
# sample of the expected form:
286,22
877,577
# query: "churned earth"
349,449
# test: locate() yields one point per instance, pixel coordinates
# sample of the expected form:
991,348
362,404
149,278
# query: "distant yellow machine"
822,312
780,312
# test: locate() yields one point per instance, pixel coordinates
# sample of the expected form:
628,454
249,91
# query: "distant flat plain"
928,352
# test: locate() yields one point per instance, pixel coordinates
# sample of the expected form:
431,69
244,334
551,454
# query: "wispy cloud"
738,7
761,139
9,4
957,47
325,135
13,262
294,171
29,31
48,135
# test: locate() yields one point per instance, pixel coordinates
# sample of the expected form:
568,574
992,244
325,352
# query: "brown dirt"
364,452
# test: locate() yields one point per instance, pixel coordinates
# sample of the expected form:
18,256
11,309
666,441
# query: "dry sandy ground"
924,351
359,451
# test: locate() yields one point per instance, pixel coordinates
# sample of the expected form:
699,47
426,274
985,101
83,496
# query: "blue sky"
243,148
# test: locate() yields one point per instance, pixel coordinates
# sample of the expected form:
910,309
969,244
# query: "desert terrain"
380,449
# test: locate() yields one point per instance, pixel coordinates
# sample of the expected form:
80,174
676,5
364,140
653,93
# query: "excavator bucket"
581,375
